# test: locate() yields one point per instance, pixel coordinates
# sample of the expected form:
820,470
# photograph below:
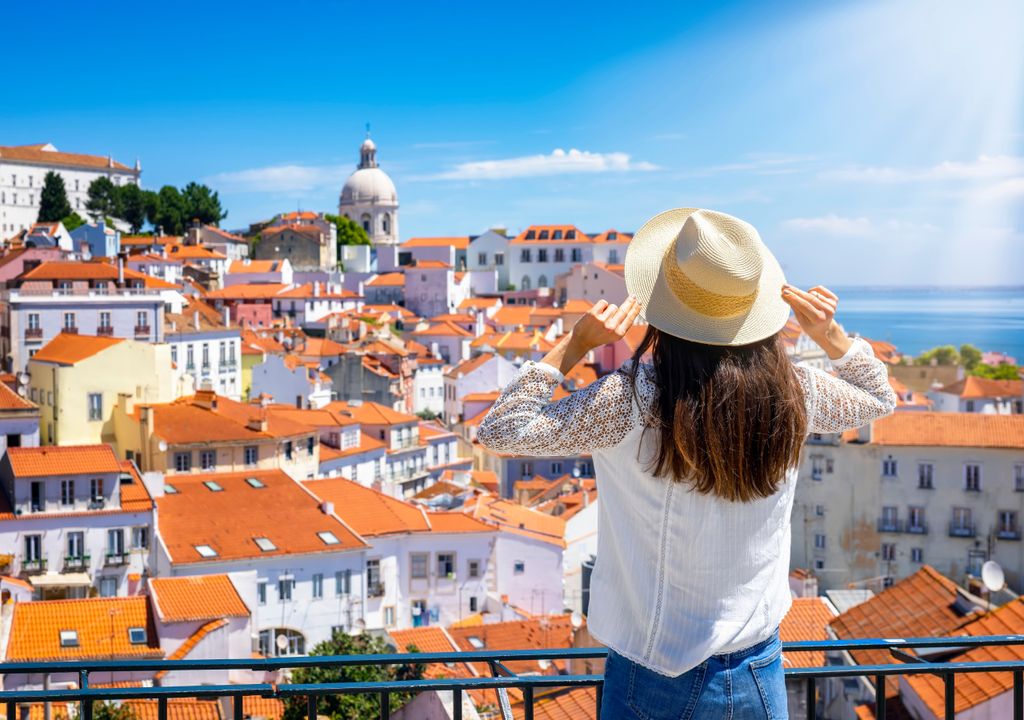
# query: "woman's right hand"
815,310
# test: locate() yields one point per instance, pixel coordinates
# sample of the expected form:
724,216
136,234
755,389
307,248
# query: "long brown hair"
730,419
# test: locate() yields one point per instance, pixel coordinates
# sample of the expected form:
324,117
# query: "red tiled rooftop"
202,597
52,460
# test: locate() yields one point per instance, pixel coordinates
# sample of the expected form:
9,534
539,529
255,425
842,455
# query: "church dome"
369,185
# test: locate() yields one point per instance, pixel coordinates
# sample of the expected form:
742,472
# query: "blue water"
915,319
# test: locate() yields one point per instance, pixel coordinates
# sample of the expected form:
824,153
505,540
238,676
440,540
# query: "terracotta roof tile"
36,154
949,430
979,387
367,511
36,628
459,242
202,597
371,413
251,291
443,329
393,279
514,518
229,520
10,400
53,460
807,619
194,419
177,709
69,349
550,230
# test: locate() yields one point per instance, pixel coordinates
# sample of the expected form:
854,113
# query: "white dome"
369,185
368,144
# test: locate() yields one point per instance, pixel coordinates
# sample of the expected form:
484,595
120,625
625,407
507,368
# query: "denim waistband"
751,650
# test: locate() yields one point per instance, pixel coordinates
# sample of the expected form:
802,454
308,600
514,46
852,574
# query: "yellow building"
76,380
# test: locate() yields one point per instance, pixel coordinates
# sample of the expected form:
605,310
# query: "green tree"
970,356
112,711
942,355
72,221
996,372
103,198
350,707
202,204
349,231
169,212
53,200
132,200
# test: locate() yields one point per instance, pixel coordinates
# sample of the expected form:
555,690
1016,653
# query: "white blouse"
680,576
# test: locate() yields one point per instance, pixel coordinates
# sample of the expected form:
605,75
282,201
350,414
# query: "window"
1007,522
556,468
206,551
206,355
104,319
527,469
969,406
285,586
37,496
108,587
342,582
916,555
252,454
69,321
69,638
140,537
819,510
95,406
137,635
265,544
208,461
170,489
972,477
888,552
559,255
915,519
446,565
925,474
819,541
255,483
183,461
174,354
190,361
481,258
577,254
474,568
372,575
524,255
33,548
318,586
542,255
819,564
261,592
519,567
76,545
96,489
389,615
288,450
1018,478
817,466
889,467
962,524
499,258
418,566
33,321
328,537
310,445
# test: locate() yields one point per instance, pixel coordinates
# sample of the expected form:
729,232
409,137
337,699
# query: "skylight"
213,485
137,635
328,537
170,490
476,642
255,482
265,544
69,638
206,551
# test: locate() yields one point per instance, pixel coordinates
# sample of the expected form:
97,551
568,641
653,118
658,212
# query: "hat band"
697,298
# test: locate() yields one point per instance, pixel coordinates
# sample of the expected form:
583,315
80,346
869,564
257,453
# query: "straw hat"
706,276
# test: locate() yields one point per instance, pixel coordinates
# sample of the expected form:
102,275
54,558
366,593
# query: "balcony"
33,566
891,525
919,528
70,329
501,678
375,590
33,333
142,331
1008,534
961,529
116,559
76,563
107,330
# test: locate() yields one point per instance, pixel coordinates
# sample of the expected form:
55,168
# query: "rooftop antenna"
367,129
994,579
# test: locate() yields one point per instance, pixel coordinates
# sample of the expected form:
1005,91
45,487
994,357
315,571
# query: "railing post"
599,699
457,704
1018,695
85,711
12,711
311,706
385,705
812,699
528,702
237,707
879,696
950,679
161,708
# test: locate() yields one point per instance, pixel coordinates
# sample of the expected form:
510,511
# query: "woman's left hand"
604,323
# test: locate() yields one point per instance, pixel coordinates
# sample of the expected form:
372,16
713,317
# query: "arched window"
386,223
542,281
366,222
526,283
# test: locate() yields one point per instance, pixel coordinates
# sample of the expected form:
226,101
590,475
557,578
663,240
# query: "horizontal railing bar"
299,661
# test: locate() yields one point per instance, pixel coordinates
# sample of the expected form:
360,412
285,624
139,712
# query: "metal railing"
500,680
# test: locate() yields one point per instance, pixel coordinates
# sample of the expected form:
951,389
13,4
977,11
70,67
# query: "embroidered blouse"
680,576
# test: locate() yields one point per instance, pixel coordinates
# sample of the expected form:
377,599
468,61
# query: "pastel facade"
541,253
489,252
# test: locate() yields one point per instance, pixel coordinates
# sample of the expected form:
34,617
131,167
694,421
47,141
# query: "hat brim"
645,279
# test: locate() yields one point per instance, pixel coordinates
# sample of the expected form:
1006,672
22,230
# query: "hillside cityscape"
261,441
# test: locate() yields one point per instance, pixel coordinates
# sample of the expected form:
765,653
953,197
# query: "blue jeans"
744,685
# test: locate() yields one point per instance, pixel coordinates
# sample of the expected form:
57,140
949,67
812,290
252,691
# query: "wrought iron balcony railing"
501,679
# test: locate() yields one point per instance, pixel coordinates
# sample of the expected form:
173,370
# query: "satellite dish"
992,575
576,619
576,472
544,663
163,446
282,642
23,378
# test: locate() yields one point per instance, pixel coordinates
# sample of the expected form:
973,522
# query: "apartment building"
19,419
979,395
78,520
541,253
914,488
205,350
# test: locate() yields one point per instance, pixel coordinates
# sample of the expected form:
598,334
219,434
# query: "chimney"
174,326
120,269
258,423
327,507
159,232
316,288
195,319
205,397
227,316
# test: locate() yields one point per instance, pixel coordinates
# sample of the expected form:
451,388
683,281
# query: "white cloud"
753,164
280,178
985,167
856,227
558,162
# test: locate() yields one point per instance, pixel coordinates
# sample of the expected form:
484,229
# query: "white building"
23,168
490,252
289,379
484,373
77,519
370,199
205,350
980,395
541,253
428,386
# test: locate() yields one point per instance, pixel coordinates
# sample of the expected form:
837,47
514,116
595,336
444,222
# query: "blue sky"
870,142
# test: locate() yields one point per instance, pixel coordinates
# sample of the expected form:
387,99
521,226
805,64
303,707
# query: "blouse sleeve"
856,395
524,421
